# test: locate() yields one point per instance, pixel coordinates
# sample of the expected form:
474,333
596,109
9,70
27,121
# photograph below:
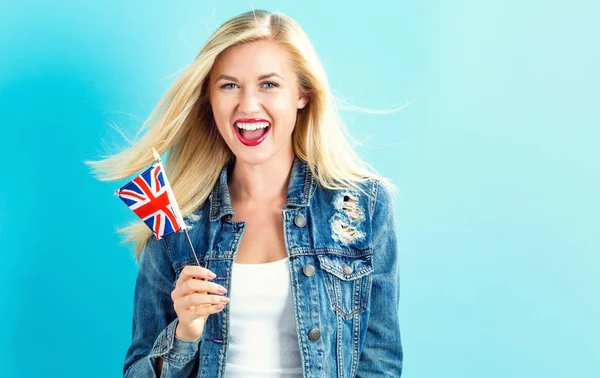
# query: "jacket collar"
300,187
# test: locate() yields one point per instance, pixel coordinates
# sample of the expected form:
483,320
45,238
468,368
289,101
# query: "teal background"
496,158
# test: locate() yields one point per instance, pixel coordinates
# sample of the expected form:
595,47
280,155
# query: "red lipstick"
251,142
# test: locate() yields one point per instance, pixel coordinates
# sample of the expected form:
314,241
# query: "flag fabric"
150,197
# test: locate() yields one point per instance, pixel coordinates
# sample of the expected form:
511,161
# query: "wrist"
183,334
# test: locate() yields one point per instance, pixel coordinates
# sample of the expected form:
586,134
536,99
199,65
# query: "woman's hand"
193,303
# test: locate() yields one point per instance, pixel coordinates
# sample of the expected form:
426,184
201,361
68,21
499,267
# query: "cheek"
221,111
283,108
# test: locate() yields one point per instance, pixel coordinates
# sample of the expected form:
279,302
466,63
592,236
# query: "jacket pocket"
348,282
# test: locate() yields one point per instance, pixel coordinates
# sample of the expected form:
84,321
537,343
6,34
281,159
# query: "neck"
259,184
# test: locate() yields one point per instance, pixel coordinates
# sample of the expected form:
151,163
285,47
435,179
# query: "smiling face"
251,86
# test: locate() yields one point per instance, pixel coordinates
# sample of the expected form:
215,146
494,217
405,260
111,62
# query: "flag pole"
176,208
191,246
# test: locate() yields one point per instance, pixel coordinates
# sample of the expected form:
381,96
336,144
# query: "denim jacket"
342,251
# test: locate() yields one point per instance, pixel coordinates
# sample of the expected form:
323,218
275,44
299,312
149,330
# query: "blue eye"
229,85
270,82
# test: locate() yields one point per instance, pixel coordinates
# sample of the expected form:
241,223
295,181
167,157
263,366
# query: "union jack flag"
149,196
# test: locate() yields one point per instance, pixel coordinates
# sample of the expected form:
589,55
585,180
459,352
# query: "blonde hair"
182,124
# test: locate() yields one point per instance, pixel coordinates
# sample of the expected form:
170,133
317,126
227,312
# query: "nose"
249,102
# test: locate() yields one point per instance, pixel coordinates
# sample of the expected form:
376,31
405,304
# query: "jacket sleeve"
155,321
382,353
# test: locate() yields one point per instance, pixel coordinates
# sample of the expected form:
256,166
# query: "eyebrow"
261,77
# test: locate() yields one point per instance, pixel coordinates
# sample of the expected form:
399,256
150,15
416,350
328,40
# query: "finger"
191,272
206,310
197,272
189,313
196,286
191,286
199,312
196,299
183,305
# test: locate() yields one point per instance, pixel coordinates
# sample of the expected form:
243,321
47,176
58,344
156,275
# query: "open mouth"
252,134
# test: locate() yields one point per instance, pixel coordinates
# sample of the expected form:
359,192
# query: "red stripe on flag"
156,172
156,203
131,193
157,225
173,220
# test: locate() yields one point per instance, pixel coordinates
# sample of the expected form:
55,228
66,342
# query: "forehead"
252,58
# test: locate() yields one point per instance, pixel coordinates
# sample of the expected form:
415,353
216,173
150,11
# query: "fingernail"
212,275
222,290
224,300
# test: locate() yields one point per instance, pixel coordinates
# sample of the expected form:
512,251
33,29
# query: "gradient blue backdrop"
496,157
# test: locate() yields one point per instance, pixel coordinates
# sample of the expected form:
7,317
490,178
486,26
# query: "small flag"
150,197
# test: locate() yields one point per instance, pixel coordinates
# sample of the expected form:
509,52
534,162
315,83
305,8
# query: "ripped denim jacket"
342,249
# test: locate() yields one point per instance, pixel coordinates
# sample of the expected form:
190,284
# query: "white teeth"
252,126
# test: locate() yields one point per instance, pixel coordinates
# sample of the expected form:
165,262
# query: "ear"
302,101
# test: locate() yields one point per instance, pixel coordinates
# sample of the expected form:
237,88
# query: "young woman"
294,233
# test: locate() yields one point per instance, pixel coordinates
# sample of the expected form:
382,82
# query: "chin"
258,157
252,158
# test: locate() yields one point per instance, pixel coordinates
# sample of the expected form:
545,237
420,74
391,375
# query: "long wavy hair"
182,124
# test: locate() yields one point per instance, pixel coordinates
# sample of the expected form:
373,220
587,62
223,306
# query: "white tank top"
262,330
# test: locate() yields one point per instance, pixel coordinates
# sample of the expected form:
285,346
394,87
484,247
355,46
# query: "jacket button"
300,220
347,269
308,270
314,334
165,343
